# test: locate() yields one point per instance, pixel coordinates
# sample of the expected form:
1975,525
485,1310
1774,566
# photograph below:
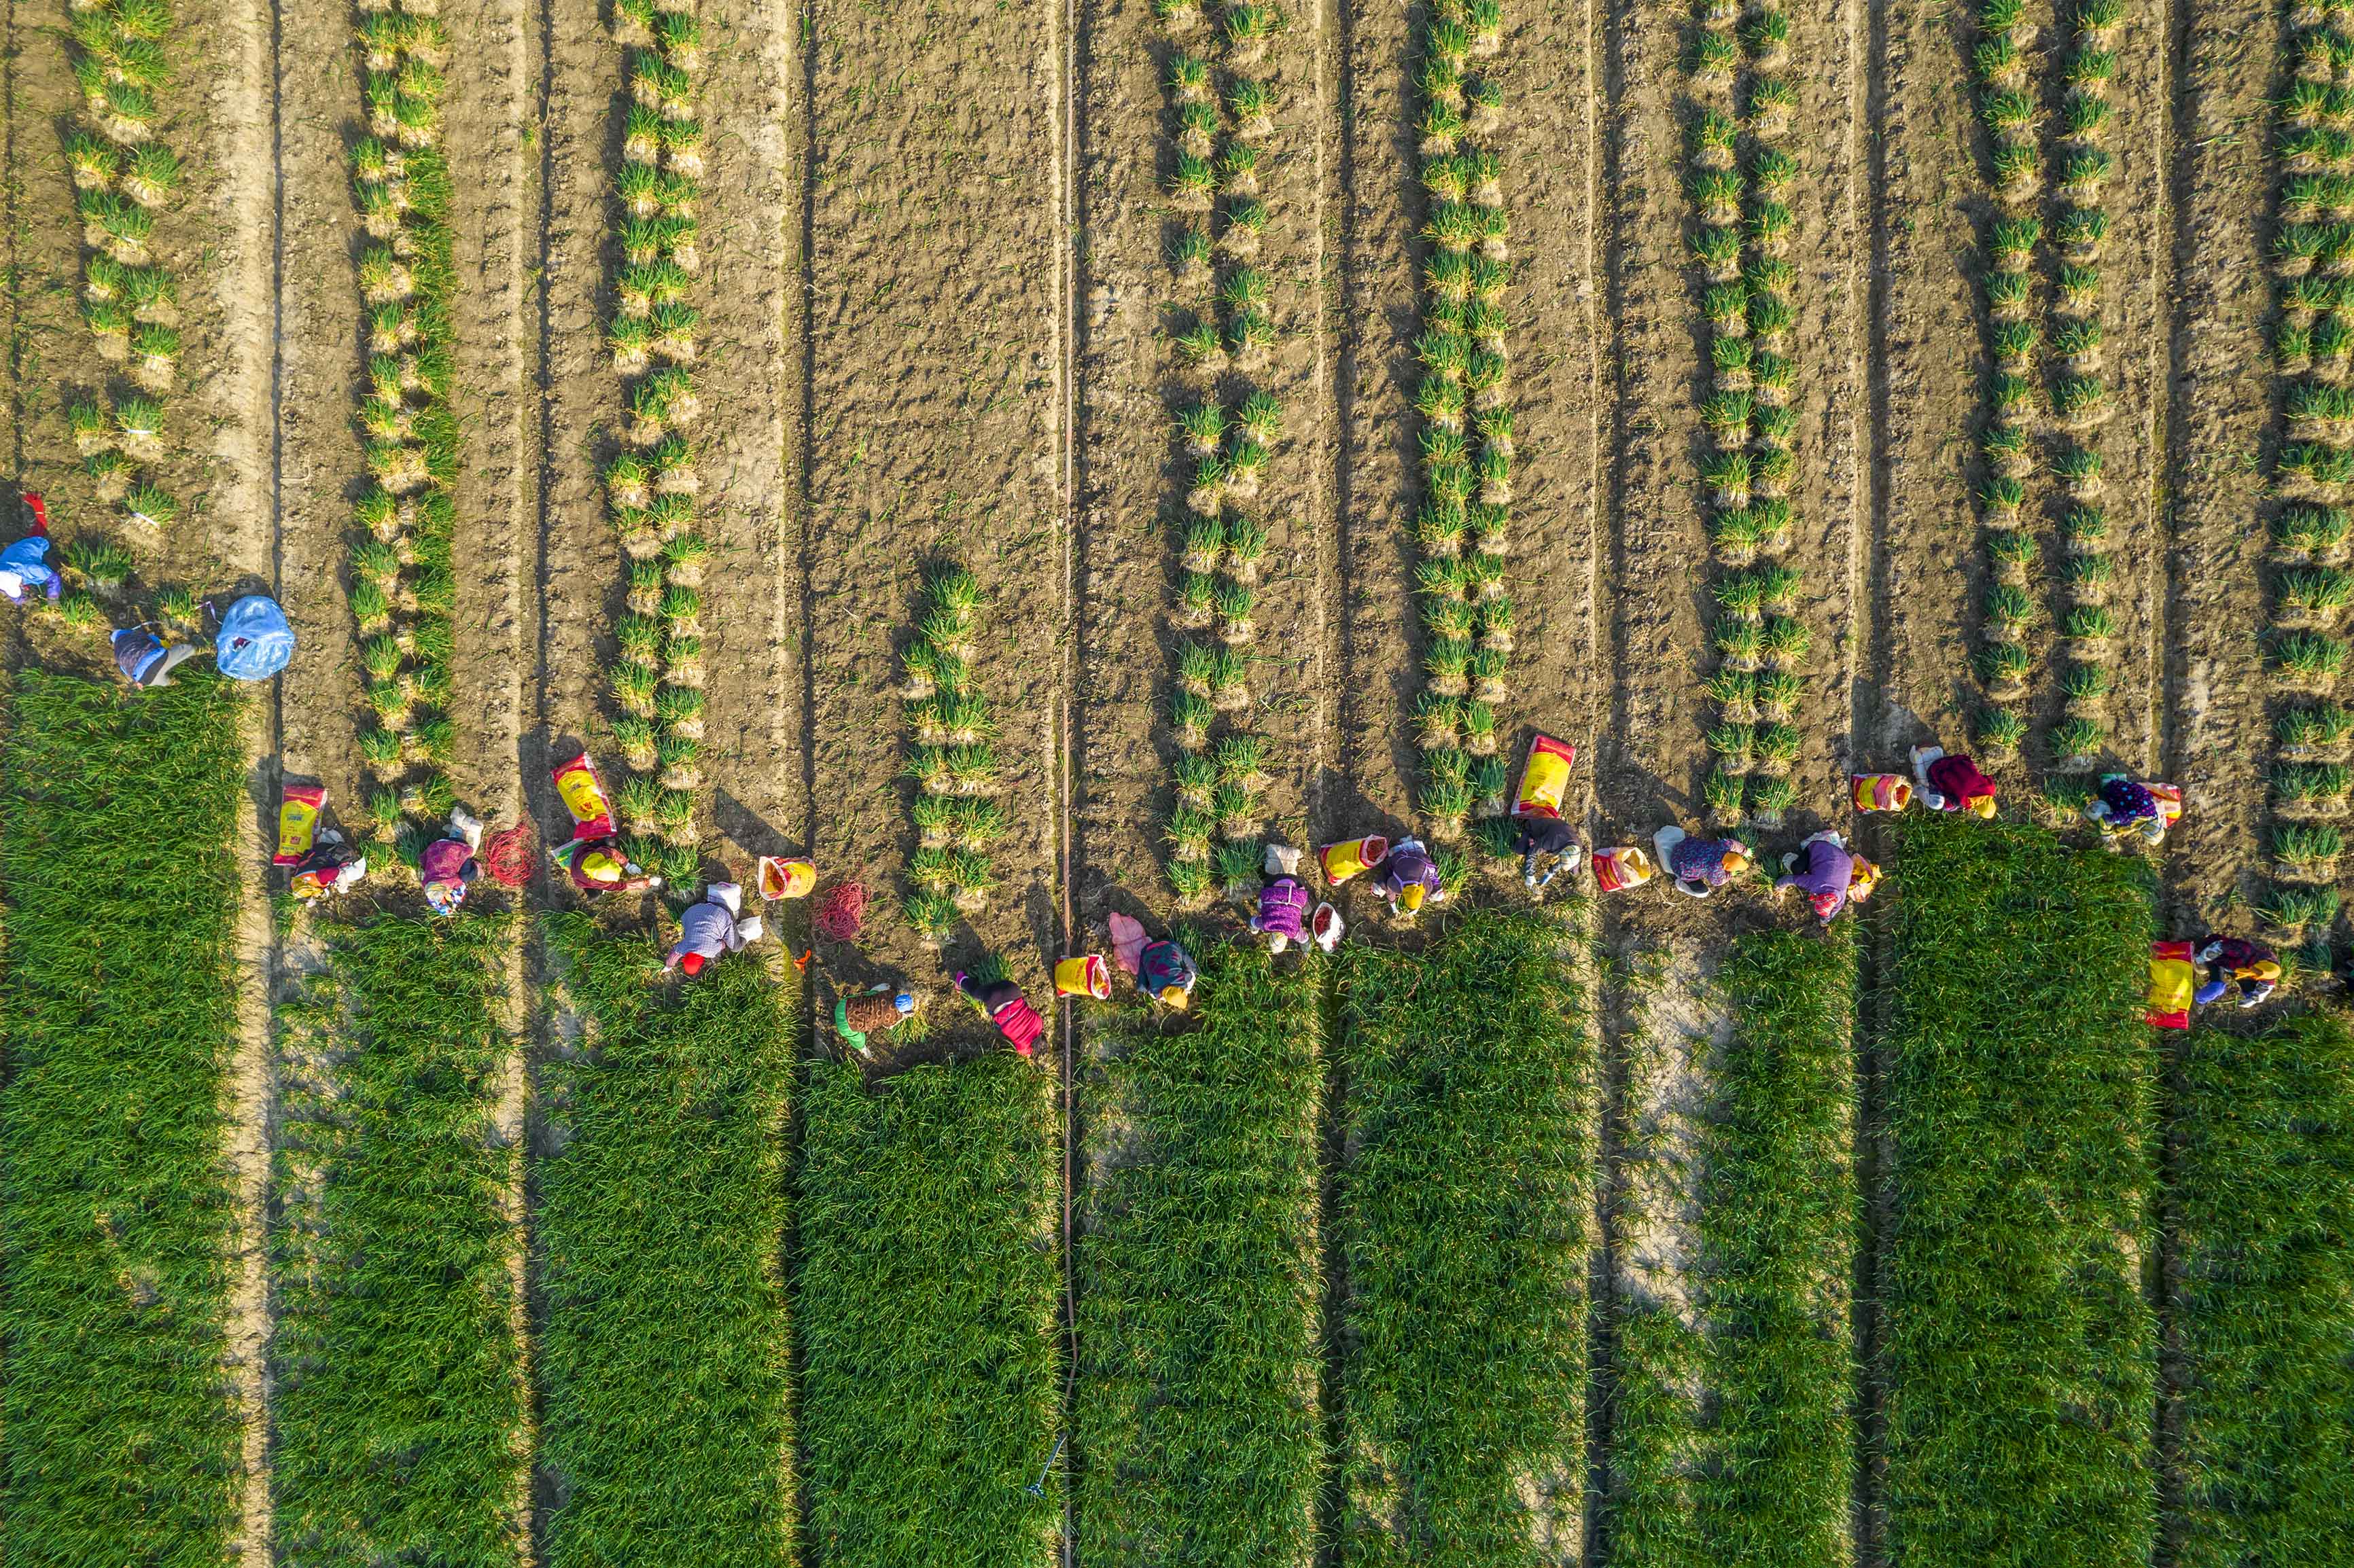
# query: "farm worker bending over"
1699,867
1952,783
1162,970
874,1010
2124,807
709,928
1283,902
1543,838
2254,967
1007,1008
598,865
145,661
332,866
1824,870
448,866
25,565
1410,877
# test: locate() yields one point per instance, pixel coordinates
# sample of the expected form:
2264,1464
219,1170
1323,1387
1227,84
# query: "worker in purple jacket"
448,866
1283,902
1410,877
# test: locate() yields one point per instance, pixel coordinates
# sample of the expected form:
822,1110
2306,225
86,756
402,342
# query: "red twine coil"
843,912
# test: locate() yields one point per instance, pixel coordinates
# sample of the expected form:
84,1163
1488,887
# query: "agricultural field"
1030,460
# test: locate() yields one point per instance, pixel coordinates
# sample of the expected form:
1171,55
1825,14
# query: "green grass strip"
2264,1205
1731,1438
117,1015
1464,1208
663,1360
926,1303
2018,1353
1198,1439
398,1393
1777,1227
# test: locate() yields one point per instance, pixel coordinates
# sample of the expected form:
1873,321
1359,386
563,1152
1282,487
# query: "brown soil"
936,433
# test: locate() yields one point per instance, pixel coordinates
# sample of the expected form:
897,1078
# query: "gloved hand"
2212,992
750,929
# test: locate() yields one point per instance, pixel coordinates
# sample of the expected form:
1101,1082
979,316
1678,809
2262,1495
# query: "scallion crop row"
403,581
1463,401
2017,1354
118,1425
2311,587
1200,1283
1740,108
1730,1435
926,1297
651,483
2261,1200
125,179
664,1359
1464,1205
398,1403
1228,426
951,760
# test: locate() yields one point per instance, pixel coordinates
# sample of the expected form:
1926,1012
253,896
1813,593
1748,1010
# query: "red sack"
583,795
2173,976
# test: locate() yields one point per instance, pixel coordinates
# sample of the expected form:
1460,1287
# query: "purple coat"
1700,861
1282,909
1829,870
1408,864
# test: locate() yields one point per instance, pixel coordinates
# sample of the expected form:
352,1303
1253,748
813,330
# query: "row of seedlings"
124,177
1464,400
403,591
651,482
2080,397
1742,174
2311,587
1224,115
2002,64
2067,339
952,763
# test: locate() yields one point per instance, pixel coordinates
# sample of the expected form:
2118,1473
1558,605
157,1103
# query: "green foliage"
925,1309
398,1389
116,1008
1765,1475
2019,1355
2263,1201
663,1357
1462,1218
1199,1277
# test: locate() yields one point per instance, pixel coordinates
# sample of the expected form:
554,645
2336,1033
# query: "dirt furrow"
239,145
2215,738
935,435
319,353
2138,269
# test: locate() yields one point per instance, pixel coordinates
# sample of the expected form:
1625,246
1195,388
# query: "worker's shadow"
746,828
